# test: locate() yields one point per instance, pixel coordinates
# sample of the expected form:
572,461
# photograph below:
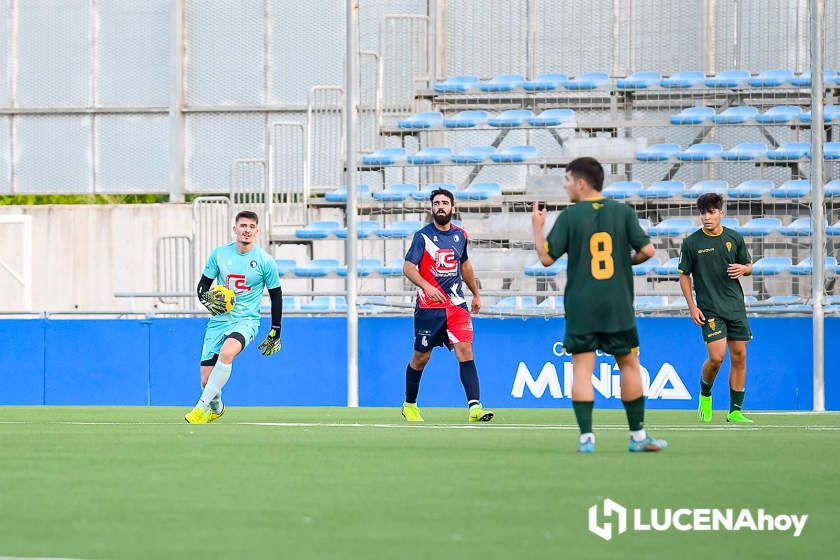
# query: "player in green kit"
715,257
598,235
247,270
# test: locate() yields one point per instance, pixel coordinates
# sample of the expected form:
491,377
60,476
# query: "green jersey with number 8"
598,235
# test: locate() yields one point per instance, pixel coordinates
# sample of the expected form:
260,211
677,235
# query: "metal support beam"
176,106
351,86
817,14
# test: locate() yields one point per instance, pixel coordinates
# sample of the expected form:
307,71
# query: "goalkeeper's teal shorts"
219,330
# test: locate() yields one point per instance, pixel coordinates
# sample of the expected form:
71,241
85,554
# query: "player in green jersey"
715,257
598,235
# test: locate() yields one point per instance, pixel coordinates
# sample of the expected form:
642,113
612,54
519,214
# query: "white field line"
675,428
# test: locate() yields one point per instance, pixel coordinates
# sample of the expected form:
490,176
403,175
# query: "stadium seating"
800,227
430,155
669,268
805,267
457,84
325,303
832,188
553,117
396,192
400,229
729,222
554,303
514,303
364,267
645,224
706,186
290,303
317,268
622,189
770,78
502,82
317,230
685,79
760,227
422,120
466,119
663,189
545,82
831,151
647,267
831,113
752,188
364,229
473,154
479,191
785,303
537,269
285,265
424,193
692,115
640,303
511,118
700,152
771,266
804,79
735,115
781,114
727,79
834,229
587,81
792,188
514,154
745,152
672,227
385,156
340,194
658,152
393,268
638,80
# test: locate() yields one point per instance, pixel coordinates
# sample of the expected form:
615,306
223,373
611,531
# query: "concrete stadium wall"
520,364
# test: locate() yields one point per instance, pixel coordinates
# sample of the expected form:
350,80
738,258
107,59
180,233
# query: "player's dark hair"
248,215
443,192
589,169
709,201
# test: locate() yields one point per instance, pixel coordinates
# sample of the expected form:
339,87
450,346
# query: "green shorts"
218,331
618,343
717,328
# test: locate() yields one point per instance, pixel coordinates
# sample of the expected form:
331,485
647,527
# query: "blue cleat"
586,447
647,444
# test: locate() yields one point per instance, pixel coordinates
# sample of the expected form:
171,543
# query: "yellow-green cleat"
215,416
411,413
197,416
479,414
736,417
704,411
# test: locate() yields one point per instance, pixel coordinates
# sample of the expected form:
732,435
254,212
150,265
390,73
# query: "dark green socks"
635,413
705,388
583,413
736,399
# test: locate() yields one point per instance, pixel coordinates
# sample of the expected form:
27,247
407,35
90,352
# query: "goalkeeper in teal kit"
246,270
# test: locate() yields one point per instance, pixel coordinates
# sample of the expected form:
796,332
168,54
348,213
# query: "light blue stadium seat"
430,155
645,224
692,115
622,189
792,188
804,79
424,193
553,117
832,188
317,268
831,151
805,267
473,154
515,154
770,78
781,114
672,227
700,152
750,300
658,152
340,194
553,302
735,115
731,223
400,229
786,303
396,192
457,84
831,113
364,267
771,266
669,268
752,188
545,82
745,151
727,79
537,269
514,303
678,302
325,303
419,121
800,227
285,265
638,80
647,267
290,303
789,151
759,227
684,79
832,303
511,118
393,268
480,191
466,119
373,304
317,230
717,186
502,82
663,189
364,229
587,80
649,302
385,156
834,229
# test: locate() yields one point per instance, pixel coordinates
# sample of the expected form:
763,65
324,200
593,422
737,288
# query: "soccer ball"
225,295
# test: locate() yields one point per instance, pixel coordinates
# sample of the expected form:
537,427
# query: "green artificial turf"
123,482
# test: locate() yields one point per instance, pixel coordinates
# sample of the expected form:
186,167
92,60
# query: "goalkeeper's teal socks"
218,377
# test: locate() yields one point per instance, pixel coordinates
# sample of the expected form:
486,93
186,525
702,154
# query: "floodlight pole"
351,81
817,13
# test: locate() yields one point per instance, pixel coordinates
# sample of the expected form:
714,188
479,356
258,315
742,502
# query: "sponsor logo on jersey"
445,261
709,250
236,282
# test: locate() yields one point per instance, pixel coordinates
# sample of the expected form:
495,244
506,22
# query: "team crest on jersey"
729,246
456,239
253,264
712,324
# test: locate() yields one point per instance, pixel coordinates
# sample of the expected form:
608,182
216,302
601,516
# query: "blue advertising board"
521,363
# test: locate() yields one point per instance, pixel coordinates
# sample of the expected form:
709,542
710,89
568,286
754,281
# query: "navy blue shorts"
442,326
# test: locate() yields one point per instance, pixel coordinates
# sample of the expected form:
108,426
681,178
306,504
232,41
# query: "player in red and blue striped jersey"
437,263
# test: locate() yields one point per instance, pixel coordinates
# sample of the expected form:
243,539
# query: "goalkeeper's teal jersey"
247,275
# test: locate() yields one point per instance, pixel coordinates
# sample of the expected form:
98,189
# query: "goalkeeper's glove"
213,305
271,344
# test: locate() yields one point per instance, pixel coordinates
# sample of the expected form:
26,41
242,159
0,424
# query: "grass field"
108,482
